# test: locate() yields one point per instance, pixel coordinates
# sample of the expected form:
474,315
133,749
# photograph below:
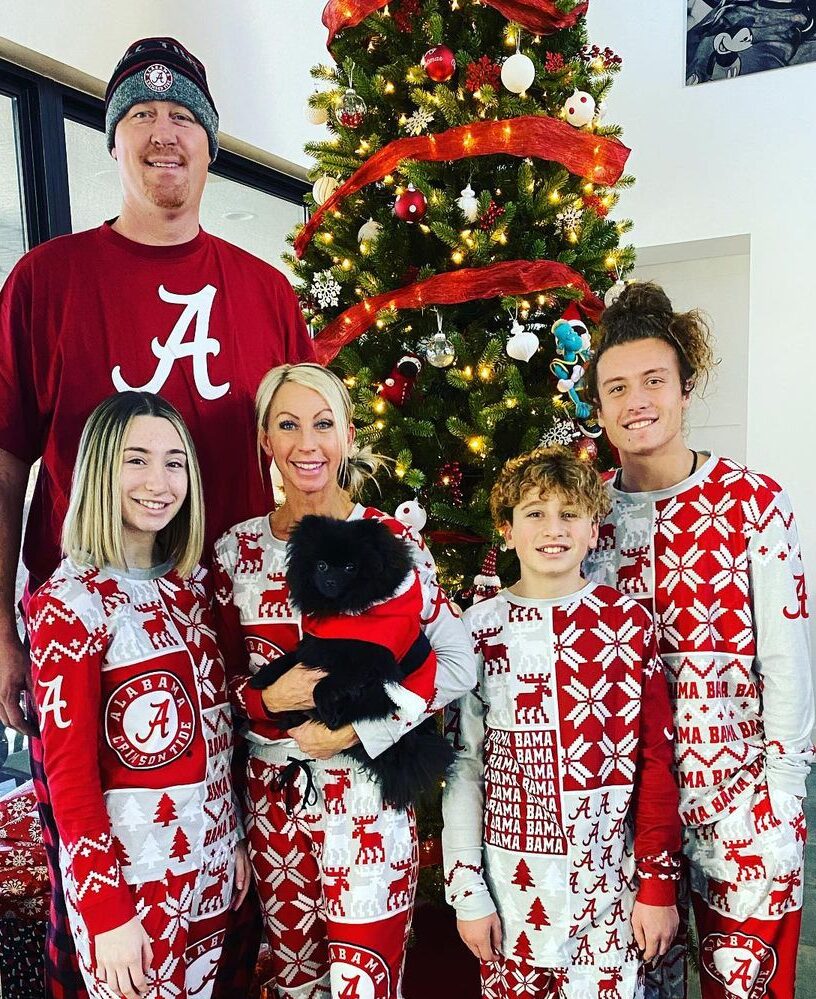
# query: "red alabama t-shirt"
86,315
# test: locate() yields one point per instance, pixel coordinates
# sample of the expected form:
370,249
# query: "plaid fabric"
62,976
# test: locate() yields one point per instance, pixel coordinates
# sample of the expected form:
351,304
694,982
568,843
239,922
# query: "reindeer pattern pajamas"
137,735
716,560
562,748
335,868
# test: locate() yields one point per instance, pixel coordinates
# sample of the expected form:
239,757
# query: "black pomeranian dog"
359,596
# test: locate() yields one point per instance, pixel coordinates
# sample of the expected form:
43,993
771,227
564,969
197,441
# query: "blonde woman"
335,868
131,696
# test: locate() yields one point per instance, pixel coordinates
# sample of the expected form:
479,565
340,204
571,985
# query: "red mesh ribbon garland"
541,17
595,157
510,277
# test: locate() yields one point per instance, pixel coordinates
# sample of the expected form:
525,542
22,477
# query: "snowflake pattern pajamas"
556,752
716,559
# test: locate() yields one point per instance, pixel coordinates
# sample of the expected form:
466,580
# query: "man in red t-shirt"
146,301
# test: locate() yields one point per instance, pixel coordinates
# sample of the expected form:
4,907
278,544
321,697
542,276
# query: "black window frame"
42,105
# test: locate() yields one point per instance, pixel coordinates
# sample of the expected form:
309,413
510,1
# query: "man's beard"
167,196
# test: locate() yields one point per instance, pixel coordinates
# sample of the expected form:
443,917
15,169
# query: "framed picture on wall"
728,38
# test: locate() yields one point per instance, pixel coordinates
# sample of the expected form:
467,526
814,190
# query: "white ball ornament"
323,188
369,231
522,343
580,109
412,514
518,73
469,204
315,115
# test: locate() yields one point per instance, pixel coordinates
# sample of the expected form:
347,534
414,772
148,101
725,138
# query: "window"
13,242
56,177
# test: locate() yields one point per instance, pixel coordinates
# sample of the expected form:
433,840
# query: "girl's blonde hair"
358,465
92,532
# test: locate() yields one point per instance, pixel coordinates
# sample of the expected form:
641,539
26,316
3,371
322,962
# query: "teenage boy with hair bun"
710,548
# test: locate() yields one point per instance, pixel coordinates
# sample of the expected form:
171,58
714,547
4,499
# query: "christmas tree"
459,242
537,916
181,846
523,951
165,811
522,876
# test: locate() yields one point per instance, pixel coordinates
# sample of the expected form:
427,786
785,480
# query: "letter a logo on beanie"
158,78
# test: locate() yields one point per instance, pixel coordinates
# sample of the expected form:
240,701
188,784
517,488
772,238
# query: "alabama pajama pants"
745,874
185,916
336,871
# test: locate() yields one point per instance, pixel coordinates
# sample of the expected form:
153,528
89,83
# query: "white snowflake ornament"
419,121
325,289
561,432
568,220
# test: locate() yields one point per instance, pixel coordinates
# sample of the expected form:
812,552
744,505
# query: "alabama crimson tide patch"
262,651
358,973
150,720
742,964
158,78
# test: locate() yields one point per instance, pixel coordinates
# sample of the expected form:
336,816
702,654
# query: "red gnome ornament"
487,584
398,387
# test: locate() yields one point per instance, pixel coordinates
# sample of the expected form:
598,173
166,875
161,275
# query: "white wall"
728,158
257,52
711,275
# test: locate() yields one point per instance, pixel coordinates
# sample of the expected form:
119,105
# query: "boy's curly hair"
549,470
645,312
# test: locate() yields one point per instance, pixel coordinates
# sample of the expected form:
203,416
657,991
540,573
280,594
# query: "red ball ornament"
585,448
411,205
439,63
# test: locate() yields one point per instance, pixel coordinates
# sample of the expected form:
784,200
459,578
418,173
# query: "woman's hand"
294,691
243,875
318,742
482,937
123,958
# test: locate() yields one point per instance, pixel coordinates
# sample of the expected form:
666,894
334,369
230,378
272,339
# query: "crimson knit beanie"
160,69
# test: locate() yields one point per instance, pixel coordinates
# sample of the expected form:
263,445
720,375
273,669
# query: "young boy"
555,756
